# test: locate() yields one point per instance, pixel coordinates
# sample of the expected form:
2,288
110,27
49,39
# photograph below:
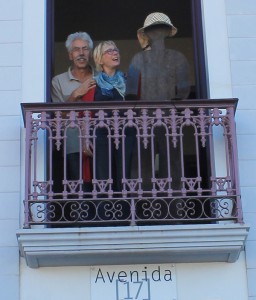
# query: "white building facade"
230,48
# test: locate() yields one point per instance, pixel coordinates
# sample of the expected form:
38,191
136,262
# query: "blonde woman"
110,81
110,86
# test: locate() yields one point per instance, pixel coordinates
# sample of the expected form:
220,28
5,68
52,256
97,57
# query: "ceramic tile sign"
134,282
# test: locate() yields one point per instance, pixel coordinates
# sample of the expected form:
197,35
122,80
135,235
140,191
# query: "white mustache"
81,57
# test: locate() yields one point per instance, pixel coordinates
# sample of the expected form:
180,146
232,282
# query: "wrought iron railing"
168,162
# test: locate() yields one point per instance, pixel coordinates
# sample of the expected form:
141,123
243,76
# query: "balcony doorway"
119,21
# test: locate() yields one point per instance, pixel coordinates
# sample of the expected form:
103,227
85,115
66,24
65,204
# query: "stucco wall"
225,80
215,281
230,35
241,25
10,95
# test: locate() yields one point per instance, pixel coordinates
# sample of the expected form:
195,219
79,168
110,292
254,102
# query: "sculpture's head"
158,20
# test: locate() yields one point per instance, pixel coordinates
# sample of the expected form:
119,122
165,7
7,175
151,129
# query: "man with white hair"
77,81
71,86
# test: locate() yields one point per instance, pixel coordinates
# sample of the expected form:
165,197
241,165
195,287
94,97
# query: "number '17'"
137,291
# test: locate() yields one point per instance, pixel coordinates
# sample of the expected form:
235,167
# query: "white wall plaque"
135,282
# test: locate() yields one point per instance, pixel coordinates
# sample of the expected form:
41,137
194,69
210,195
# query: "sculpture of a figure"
159,74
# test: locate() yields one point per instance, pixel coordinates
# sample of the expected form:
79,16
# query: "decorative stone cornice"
48,247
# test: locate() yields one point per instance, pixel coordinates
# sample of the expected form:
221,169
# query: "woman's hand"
87,85
88,150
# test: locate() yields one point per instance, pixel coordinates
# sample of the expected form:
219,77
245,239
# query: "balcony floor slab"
47,247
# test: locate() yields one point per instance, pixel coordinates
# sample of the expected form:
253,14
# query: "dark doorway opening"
119,21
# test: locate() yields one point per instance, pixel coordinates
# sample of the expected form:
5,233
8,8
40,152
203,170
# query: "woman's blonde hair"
98,52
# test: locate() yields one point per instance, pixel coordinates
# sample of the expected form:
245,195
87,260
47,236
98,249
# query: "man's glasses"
111,51
78,49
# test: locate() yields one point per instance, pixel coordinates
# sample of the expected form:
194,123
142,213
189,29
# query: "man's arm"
64,90
83,89
56,93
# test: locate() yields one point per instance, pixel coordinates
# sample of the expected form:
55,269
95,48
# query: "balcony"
163,183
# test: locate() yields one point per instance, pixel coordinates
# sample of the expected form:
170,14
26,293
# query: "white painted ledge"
48,247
